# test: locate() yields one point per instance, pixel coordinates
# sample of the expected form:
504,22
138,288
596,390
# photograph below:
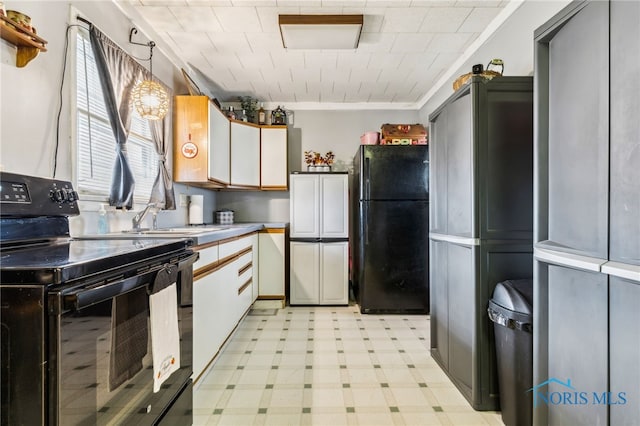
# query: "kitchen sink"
155,233
186,230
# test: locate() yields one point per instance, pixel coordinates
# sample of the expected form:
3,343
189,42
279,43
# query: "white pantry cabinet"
319,244
319,273
320,205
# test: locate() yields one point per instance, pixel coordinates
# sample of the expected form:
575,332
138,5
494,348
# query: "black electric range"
74,316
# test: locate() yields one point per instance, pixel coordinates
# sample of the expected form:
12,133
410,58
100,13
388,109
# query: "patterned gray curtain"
118,74
162,192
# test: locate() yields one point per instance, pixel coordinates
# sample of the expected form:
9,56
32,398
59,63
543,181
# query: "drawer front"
245,268
208,256
232,247
245,282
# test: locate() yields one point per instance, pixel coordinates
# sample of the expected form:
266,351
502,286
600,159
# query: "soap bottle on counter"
103,223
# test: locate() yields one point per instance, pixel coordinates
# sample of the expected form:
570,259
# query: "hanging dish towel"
165,336
129,336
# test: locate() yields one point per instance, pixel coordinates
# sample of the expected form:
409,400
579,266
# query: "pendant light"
150,99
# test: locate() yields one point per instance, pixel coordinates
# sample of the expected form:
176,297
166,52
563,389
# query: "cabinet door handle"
585,263
622,270
244,286
244,268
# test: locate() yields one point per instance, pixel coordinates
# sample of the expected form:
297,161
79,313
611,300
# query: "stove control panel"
30,196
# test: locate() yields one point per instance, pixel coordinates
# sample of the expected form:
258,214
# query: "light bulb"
150,99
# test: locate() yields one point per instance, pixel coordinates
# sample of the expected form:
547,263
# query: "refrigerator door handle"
365,225
367,180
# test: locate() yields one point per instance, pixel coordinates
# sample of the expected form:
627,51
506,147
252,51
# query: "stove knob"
58,195
72,195
66,195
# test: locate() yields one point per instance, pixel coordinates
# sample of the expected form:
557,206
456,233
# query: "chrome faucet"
139,217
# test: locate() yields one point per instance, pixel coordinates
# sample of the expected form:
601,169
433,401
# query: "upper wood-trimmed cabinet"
273,158
245,155
212,151
201,142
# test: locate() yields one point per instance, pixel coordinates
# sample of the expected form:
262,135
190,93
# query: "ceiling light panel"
320,31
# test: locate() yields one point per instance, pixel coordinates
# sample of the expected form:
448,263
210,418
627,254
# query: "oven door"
100,348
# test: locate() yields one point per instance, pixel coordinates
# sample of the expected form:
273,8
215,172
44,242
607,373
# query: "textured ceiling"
234,47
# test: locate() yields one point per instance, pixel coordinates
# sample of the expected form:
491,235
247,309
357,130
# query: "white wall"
340,131
320,131
255,206
512,42
30,101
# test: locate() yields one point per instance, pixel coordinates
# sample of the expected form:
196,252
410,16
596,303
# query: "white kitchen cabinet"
320,205
271,254
255,250
273,158
245,155
334,199
201,134
222,294
319,273
219,146
210,326
305,211
214,152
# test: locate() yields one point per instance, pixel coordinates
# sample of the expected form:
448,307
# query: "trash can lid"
515,295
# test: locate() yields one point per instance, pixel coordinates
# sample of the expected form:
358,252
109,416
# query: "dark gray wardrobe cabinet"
587,213
481,222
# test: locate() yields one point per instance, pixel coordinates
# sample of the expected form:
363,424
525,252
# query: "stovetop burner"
69,260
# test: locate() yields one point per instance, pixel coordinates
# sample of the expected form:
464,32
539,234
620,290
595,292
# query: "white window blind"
96,143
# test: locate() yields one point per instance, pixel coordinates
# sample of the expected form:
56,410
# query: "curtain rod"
81,19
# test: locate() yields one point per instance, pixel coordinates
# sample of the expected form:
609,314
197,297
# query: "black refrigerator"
390,229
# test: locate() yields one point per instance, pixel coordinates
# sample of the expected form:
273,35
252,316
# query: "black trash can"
511,310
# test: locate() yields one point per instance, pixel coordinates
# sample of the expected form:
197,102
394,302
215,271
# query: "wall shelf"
28,43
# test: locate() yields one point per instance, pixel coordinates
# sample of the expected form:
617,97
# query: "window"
96,150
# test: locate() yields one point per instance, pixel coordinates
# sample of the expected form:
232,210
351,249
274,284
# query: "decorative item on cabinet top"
278,116
370,138
317,163
249,105
495,68
28,44
404,134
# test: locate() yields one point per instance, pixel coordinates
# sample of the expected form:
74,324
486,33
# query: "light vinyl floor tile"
330,366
